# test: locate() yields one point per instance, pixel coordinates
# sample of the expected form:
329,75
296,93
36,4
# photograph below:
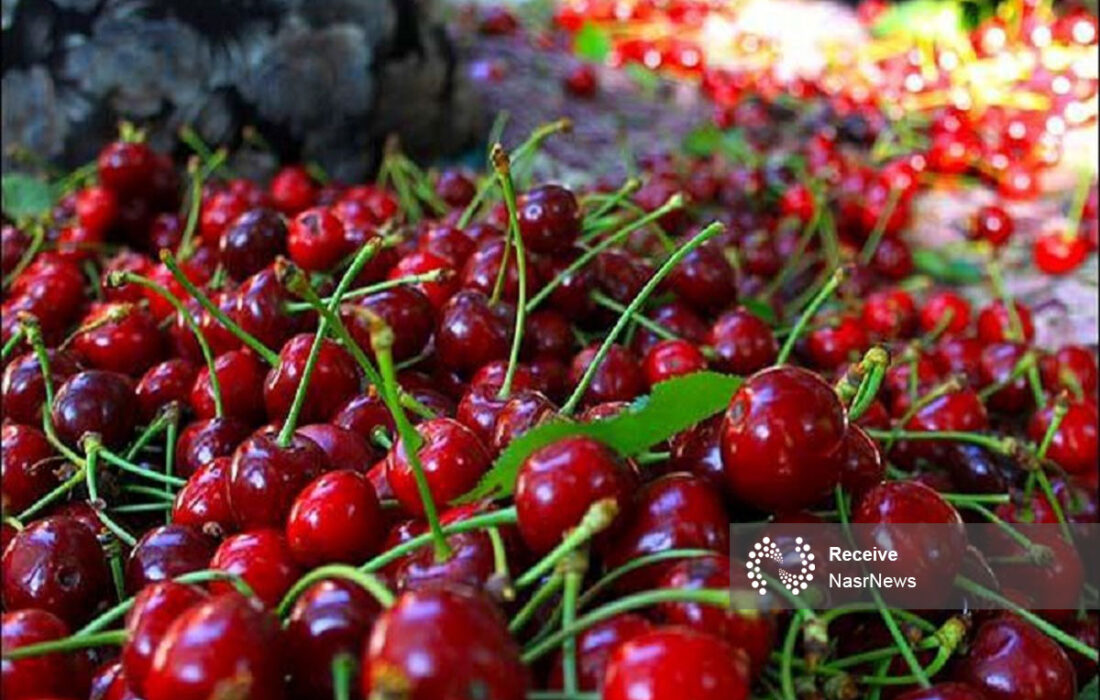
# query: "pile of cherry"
210,388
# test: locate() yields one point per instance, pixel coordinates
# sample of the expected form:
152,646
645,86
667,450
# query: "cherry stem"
1058,414
612,576
716,597
796,256
540,597
632,308
674,202
597,518
430,276
118,278
369,582
194,206
163,419
71,643
171,434
503,168
57,492
33,333
502,577
573,568
381,338
343,665
804,320
92,447
127,466
872,368
13,342
879,231
269,356
38,237
610,201
506,516
786,678
1001,446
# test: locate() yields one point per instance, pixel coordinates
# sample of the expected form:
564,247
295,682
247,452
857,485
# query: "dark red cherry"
697,450
165,383
954,411
483,267
581,81
861,465
260,310
40,676
343,447
479,658
166,552
548,333
420,262
963,356
993,224
618,377
557,485
671,512
705,279
264,477
334,380
572,295
997,366
405,310
781,439
521,412
203,502
241,379
1010,659
742,343
453,459
330,618
1074,446
227,644
549,219
672,358
126,167
995,323
677,662
315,239
889,314
595,646
335,519
455,188
111,683
203,440
479,408
252,242
155,609
447,242
836,341
944,691
97,402
96,209
260,557
471,333
56,564
23,388
893,259
621,275
362,415
471,563
27,467
654,194
1071,368
292,189
945,310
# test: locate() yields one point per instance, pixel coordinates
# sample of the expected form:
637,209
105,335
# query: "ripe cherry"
781,439
362,415
595,646
959,355
954,411
618,377
292,190
471,333
241,378
482,269
1009,659
315,240
44,675
944,691
839,340
252,242
334,380
674,662
27,466
119,339
341,446
998,364
203,440
993,224
861,463
995,323
165,383
521,412
453,459
336,518
549,219
203,502
945,310
479,408
1074,446
97,402
166,552
742,343
262,559
890,314
406,311
672,358
24,390
1071,368
260,310
580,81
455,188
265,476
155,608
96,209
126,167
705,279
1059,252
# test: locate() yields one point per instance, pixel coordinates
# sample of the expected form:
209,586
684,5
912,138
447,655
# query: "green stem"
502,166
506,516
71,643
613,200
430,276
786,678
91,461
126,466
796,255
370,583
873,365
342,666
598,518
873,241
574,569
612,576
804,320
13,342
542,594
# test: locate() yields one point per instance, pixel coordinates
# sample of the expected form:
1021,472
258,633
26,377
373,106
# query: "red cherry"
676,662
889,314
362,415
595,646
166,552
705,279
342,446
78,244
292,190
1059,252
618,377
995,323
203,502
23,388
676,317
471,333
839,340
96,210
448,243
335,379
420,262
1071,368
992,223
959,355
154,610
621,275
455,188
439,643
581,81
264,477
165,383
861,463
1010,659
453,459
479,408
119,339
42,675
260,310
111,683
1074,446
742,343
95,402
482,269
797,201
203,440
781,439
335,518
944,691
262,559
126,167
27,466
241,378
998,362
252,242
954,411
893,259
672,358
315,239
549,219
228,643
939,306
521,412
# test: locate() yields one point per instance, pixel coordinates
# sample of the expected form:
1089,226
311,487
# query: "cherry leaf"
673,406
26,197
592,43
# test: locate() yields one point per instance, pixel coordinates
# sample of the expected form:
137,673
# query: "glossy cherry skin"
839,340
204,440
676,662
992,223
549,219
944,691
155,609
1074,446
166,552
581,81
470,333
421,261
482,269
1058,252
697,451
336,518
330,618
260,310
672,512
343,447
995,323
959,355
203,502
111,683
24,391
548,333
252,242
781,439
954,411
595,646
889,314
752,631
260,557
126,167
557,484
941,305
742,343
861,462
1009,659
227,644
521,412
705,279
56,564
241,378
443,643
362,415
453,459
618,378
407,312
315,239
165,383
479,408
98,402
264,477
119,339
672,358
1070,368
48,675
455,188
334,380
621,274
27,467
292,189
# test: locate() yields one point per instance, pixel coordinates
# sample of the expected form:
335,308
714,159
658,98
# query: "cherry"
335,518
165,383
675,662
1059,252
203,440
1071,368
443,642
265,476
595,646
51,289
893,259
111,683
342,446
453,459
1010,659
581,81
861,463
479,408
705,279
482,269
522,411
946,309
126,167
839,340
203,502
1074,446
78,244
995,323
890,314
27,467
315,239
781,439
997,364
993,224
119,339
155,608
262,559
974,469
330,618
292,190
158,305
672,512
557,484
944,691
166,552
228,643
362,415
334,380
798,201
621,275
696,450
260,310
672,358
448,243
470,565
252,242
954,411
455,188
405,310
165,231
96,209
56,564
572,295
97,402
420,262
241,378
742,343
471,333
218,336
618,377
1053,586
954,355
43,675
549,219
548,334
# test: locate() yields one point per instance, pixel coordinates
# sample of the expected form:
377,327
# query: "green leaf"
592,43
703,141
946,269
1090,691
673,406
762,310
25,197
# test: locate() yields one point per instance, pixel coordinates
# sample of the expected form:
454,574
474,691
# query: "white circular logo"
767,548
